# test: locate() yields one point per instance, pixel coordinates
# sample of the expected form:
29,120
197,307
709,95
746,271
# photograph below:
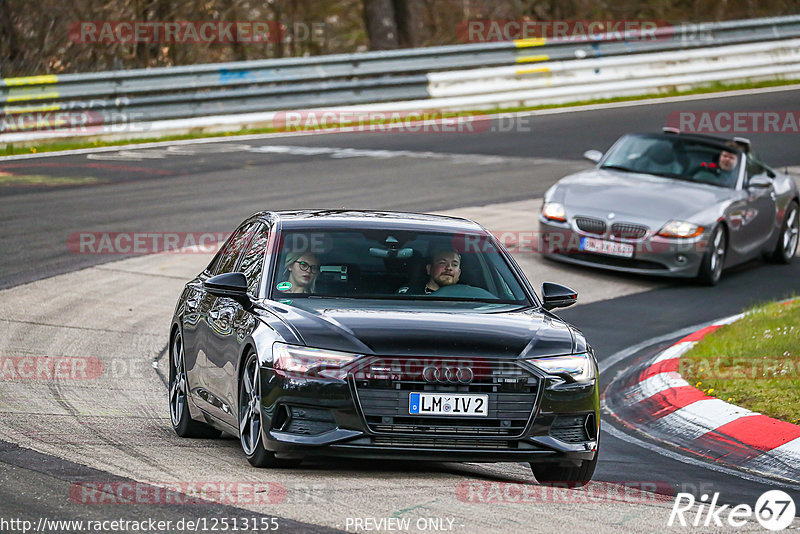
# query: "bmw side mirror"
593,155
759,182
557,296
230,285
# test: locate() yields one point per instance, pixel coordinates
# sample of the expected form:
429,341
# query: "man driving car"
443,270
727,161
721,172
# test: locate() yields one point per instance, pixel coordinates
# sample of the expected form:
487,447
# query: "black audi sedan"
381,335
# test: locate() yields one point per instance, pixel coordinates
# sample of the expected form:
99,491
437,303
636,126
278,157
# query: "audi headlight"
293,361
554,211
578,367
680,229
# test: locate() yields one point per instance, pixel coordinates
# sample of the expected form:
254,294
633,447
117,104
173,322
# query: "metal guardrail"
373,77
613,76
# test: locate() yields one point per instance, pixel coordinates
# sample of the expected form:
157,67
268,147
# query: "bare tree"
35,35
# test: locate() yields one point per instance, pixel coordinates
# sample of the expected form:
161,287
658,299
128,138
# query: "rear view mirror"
400,253
557,296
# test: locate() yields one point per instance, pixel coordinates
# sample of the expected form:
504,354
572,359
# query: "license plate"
611,248
449,404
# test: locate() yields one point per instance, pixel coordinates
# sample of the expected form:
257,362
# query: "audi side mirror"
557,296
230,285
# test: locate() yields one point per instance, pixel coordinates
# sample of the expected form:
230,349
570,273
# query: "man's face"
727,161
445,269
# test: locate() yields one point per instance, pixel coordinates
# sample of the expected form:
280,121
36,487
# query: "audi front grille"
383,394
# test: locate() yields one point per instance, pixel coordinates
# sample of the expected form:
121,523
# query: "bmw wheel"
786,247
714,258
182,421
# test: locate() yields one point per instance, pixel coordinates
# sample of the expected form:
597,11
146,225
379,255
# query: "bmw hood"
636,197
423,331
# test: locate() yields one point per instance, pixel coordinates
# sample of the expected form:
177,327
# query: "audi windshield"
394,265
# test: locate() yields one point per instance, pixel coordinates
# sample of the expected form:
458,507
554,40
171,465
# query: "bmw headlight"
293,361
680,229
554,211
577,367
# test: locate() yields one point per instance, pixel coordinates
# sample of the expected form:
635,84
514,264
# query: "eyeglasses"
305,266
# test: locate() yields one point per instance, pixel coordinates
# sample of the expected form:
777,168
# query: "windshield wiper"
618,168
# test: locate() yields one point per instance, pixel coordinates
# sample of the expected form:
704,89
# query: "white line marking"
342,153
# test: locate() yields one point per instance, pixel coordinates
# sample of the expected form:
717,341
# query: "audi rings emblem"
447,375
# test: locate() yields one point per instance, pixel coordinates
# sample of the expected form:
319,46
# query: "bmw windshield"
676,157
393,264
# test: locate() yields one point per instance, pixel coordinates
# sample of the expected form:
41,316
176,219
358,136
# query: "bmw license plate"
448,404
611,248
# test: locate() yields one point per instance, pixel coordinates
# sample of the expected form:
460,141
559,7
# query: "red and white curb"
657,401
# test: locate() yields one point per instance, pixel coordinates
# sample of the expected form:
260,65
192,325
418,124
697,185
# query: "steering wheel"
463,291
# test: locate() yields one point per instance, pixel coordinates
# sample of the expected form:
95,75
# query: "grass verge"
56,145
753,363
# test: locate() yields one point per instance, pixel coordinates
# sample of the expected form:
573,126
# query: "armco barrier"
562,81
521,72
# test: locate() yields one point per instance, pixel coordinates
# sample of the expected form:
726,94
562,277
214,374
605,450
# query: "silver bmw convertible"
672,204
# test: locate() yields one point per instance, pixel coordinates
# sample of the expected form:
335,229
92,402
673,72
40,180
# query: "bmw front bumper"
653,255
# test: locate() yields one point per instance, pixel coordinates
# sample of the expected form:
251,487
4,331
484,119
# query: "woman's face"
302,273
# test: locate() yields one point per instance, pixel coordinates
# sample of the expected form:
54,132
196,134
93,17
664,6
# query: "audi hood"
464,329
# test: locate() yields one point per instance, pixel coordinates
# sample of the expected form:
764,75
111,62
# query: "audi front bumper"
305,417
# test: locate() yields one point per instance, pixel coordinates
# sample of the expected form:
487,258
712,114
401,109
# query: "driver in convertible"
443,270
722,171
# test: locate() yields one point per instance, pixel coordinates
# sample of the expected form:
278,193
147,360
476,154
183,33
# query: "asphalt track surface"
213,189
